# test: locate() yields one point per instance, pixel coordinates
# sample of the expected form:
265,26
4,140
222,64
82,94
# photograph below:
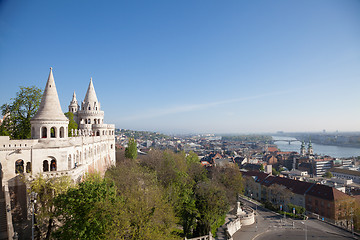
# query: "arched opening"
53,165
43,132
19,166
52,132
28,167
85,121
103,132
89,121
98,133
62,132
45,166
112,146
89,108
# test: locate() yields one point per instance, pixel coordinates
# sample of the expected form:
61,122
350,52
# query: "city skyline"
192,66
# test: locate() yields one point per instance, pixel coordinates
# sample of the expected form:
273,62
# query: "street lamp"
305,229
33,201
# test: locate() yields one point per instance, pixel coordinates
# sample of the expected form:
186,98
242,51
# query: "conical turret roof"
74,97
74,100
90,96
50,109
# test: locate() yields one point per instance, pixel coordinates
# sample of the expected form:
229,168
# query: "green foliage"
274,172
148,199
262,169
19,112
87,211
328,174
131,150
230,179
298,209
47,189
141,134
72,123
212,204
149,214
200,199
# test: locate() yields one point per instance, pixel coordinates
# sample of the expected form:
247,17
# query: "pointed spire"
50,108
74,98
90,96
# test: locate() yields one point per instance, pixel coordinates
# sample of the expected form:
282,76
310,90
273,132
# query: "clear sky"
184,66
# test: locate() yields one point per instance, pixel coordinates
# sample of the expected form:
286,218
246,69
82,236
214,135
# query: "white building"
51,151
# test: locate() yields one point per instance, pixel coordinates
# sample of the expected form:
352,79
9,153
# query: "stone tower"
74,106
310,149
302,149
90,118
49,122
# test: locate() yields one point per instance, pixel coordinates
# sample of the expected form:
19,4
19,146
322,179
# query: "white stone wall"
92,153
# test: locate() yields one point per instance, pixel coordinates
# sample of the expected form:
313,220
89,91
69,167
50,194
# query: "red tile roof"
326,192
273,149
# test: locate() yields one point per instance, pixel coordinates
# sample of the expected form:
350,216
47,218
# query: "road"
270,225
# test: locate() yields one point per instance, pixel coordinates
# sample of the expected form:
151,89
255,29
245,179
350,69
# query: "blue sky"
192,66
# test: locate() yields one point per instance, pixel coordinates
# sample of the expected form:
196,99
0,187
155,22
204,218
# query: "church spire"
50,108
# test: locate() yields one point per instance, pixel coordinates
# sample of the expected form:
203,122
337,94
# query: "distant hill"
141,134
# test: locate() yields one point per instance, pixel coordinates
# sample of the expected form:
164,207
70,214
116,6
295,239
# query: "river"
333,151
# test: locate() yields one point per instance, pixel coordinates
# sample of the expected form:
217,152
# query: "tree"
274,172
212,205
90,210
19,113
328,174
261,169
131,150
230,178
149,213
47,189
72,123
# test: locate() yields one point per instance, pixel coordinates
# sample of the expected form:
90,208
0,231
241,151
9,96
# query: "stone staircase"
3,221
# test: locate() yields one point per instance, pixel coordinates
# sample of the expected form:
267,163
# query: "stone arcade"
51,151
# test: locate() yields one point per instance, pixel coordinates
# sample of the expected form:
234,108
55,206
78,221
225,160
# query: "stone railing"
249,218
10,227
205,237
74,173
243,220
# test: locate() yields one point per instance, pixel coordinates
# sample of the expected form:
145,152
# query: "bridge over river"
286,140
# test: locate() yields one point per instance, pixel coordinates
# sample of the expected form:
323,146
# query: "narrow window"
45,166
43,132
62,132
52,132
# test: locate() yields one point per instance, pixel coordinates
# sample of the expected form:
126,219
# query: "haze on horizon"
192,66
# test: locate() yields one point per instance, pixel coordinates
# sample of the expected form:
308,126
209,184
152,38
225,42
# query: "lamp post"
305,229
33,201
